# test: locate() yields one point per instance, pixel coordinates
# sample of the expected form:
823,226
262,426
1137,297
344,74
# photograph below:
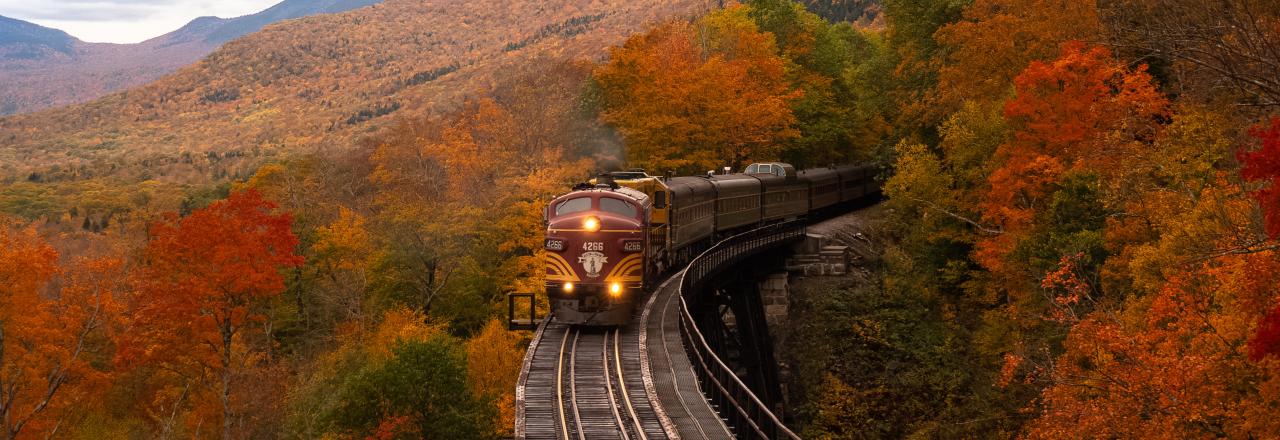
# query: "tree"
693,98
915,60
839,115
1064,117
1205,45
48,344
1171,366
998,38
361,346
494,358
424,383
1263,166
200,290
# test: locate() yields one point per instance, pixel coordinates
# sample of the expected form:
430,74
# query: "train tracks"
587,386
594,403
631,382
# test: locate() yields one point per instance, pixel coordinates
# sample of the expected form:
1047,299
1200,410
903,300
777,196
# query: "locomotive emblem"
593,262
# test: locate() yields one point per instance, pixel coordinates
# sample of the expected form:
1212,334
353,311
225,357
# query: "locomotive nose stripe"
559,269
624,268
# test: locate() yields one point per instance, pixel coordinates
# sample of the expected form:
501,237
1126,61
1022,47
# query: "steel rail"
626,397
573,385
608,383
564,423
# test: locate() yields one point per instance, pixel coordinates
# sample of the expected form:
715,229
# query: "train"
610,239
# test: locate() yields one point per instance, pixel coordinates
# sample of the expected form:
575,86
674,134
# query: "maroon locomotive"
595,253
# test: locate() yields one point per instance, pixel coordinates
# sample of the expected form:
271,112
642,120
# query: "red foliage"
393,427
1264,165
1266,340
1064,106
201,291
1082,111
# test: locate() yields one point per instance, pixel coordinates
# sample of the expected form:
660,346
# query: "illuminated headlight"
632,246
554,245
568,287
615,289
591,224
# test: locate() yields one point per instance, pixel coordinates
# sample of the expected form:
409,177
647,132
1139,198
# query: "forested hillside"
42,68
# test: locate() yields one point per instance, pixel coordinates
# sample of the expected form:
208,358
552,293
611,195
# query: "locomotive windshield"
573,205
617,207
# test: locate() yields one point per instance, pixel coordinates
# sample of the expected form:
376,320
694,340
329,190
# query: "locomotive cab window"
616,206
573,205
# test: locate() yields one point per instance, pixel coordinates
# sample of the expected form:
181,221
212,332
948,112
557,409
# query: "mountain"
42,67
19,39
214,30
319,82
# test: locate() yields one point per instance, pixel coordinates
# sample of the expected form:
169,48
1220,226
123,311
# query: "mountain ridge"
18,32
42,67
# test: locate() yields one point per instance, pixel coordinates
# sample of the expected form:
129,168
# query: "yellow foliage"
399,325
345,242
494,358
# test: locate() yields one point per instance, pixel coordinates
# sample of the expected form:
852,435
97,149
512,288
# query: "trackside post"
531,323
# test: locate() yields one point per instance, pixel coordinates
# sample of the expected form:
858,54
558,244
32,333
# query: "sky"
124,21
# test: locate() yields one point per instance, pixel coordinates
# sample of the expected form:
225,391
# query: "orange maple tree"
696,97
200,291
996,39
48,331
1081,111
1173,366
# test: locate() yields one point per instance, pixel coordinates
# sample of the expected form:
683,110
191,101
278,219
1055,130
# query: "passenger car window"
617,207
573,205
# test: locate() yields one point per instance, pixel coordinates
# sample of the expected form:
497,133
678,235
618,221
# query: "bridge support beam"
732,315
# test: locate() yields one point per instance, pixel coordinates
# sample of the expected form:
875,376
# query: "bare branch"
979,226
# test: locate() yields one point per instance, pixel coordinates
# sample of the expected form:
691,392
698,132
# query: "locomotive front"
595,245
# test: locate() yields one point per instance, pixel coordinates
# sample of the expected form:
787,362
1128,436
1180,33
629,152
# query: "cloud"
124,21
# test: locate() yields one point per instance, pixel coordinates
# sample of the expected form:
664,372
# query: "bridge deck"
570,387
673,381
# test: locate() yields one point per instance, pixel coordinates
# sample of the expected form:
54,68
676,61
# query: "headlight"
632,246
615,289
591,224
554,245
